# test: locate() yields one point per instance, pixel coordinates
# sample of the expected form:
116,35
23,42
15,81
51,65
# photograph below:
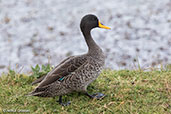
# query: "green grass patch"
135,92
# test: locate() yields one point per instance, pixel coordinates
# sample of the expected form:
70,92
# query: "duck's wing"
64,69
38,80
41,78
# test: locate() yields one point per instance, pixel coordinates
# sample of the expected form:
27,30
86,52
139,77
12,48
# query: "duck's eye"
93,19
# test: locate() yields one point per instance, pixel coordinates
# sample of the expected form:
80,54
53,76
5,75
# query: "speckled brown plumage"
76,72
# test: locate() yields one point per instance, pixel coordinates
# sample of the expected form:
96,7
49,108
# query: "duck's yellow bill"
102,26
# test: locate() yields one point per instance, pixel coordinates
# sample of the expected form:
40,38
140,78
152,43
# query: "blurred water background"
41,31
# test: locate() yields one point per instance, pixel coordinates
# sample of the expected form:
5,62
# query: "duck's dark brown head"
89,22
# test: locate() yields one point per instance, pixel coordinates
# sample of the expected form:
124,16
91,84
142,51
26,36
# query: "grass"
134,92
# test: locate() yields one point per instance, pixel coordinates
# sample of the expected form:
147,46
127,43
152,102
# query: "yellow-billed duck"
75,73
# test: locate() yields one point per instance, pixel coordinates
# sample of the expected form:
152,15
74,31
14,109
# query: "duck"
75,73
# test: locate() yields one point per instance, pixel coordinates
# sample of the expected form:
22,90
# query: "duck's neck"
93,48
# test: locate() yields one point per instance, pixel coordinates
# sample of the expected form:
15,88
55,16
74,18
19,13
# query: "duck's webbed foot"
96,95
63,104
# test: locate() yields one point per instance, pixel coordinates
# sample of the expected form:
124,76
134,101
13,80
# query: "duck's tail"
40,92
34,94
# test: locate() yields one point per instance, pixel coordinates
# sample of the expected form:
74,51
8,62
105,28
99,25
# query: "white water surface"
31,31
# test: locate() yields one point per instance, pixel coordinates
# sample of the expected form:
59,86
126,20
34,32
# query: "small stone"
50,28
6,20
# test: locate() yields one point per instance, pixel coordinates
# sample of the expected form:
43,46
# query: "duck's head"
89,22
